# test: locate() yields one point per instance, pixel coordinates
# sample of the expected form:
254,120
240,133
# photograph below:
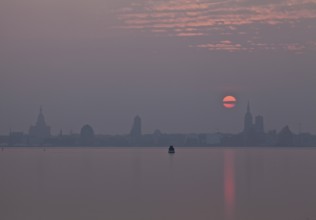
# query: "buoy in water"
171,150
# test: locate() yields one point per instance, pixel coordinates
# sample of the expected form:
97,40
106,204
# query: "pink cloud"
193,18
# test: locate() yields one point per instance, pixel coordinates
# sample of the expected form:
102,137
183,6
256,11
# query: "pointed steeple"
136,130
248,124
40,130
40,118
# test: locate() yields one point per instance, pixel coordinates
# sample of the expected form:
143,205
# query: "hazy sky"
102,62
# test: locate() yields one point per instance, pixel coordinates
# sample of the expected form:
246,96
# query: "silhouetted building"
192,140
135,136
271,138
40,131
157,136
248,132
253,133
87,136
136,130
17,139
248,121
213,139
285,137
259,126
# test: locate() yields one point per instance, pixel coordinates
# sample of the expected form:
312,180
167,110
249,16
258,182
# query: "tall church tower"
40,130
248,122
136,130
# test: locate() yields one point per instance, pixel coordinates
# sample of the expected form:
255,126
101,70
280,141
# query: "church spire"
40,131
40,118
248,123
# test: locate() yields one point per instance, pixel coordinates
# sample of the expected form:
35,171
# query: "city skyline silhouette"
252,133
40,125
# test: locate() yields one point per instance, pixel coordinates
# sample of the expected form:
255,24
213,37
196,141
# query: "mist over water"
148,183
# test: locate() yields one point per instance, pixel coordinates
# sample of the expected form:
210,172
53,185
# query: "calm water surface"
150,184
